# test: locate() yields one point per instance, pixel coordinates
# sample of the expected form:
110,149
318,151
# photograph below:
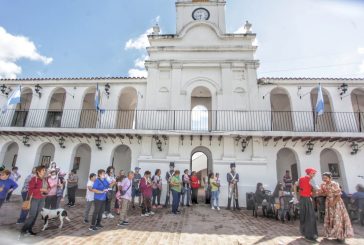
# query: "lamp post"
61,141
310,146
354,148
26,140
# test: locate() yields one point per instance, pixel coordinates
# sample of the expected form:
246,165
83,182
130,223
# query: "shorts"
135,193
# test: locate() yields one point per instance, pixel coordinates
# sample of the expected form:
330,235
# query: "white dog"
48,214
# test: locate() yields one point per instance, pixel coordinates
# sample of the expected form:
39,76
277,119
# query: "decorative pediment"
239,90
163,90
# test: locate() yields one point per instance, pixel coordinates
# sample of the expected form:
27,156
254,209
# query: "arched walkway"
121,158
45,154
281,110
325,122
330,161
201,161
89,115
10,154
22,109
55,108
128,100
357,100
201,106
81,163
287,160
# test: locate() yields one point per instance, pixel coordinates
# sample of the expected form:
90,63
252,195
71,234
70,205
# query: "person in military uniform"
233,179
169,175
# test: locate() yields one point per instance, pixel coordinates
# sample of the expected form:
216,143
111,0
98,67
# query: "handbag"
26,203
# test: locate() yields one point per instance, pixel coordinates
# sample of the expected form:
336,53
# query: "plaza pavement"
196,225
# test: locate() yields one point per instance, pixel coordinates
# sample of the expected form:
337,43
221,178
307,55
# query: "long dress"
337,223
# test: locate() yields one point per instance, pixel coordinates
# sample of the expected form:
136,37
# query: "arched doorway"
22,109
121,158
201,107
128,101
357,100
81,163
201,162
55,108
330,161
325,122
89,113
287,160
281,110
45,155
10,155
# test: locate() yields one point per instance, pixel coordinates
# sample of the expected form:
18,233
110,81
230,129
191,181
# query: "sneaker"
145,215
85,221
110,216
104,216
159,206
218,208
92,228
19,222
154,206
32,233
123,223
152,213
213,208
99,226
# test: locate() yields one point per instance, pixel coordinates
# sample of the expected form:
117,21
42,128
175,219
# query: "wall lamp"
309,147
354,148
159,145
26,140
5,90
98,143
344,88
107,89
38,89
61,141
244,144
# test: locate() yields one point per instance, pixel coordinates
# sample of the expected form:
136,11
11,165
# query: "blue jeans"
176,199
23,213
186,195
215,198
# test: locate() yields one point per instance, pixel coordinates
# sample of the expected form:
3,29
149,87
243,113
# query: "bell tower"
212,11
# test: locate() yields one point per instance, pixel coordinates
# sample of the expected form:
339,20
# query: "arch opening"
127,105
55,108
281,110
325,122
201,109
22,109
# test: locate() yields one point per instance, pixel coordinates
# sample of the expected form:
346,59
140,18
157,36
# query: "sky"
93,38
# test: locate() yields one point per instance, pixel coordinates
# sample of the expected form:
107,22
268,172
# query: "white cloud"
240,30
140,42
137,73
139,63
14,48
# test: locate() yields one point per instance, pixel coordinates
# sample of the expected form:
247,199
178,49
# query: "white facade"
201,65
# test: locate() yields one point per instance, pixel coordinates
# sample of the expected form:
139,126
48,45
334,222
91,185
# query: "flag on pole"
320,105
97,98
14,99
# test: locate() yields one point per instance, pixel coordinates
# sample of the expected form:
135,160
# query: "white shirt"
89,194
110,179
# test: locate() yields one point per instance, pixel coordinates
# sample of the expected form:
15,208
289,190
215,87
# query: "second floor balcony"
186,120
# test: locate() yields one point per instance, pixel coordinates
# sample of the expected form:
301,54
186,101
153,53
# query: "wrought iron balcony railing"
185,120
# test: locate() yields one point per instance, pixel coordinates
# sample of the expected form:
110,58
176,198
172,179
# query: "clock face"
201,14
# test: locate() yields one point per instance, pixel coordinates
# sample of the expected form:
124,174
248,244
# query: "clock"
200,14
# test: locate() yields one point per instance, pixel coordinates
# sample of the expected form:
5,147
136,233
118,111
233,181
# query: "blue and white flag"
14,99
97,98
320,104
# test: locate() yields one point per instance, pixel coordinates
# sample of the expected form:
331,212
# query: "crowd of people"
109,193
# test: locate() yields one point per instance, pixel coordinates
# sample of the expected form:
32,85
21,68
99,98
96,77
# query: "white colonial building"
202,107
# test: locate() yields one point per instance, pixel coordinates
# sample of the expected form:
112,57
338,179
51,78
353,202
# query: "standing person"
337,222
119,179
287,180
125,193
146,192
100,188
176,187
207,189
186,193
38,190
233,179
89,197
214,186
6,185
72,184
169,175
14,176
135,190
110,177
157,189
24,195
53,184
60,189
307,186
195,185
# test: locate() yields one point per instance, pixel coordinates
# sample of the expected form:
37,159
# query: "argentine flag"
320,105
14,99
97,98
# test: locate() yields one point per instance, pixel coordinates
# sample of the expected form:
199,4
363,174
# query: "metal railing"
186,120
